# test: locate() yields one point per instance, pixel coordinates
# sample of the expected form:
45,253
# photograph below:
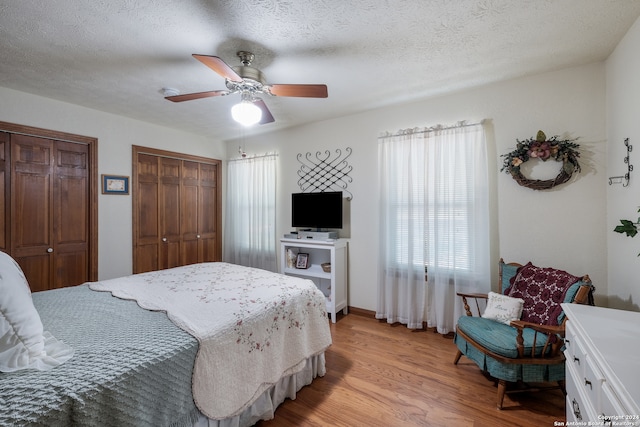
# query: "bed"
212,344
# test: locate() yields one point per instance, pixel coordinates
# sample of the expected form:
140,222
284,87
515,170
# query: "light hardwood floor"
386,375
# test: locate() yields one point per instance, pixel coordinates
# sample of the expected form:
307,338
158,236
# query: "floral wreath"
565,151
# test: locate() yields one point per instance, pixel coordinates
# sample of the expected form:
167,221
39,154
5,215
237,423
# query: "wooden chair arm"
462,294
549,331
476,297
544,329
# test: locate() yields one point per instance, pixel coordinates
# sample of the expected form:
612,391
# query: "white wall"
566,227
563,227
116,135
623,121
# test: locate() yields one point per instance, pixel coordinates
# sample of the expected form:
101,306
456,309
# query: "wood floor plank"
386,375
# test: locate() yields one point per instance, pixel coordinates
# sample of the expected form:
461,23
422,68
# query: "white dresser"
603,366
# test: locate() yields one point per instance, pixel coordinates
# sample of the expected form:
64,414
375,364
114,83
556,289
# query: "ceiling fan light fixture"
246,113
248,82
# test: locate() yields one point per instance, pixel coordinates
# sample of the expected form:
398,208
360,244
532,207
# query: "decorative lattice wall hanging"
325,172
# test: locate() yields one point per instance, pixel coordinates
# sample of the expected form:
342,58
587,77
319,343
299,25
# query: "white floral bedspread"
254,326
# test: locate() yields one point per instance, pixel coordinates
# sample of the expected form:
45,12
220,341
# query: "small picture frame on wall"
115,184
302,261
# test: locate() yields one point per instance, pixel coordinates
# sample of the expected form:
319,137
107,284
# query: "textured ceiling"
117,55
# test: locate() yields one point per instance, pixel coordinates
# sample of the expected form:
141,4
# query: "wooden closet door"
190,212
199,212
208,214
176,208
50,211
170,176
160,208
31,211
70,214
146,238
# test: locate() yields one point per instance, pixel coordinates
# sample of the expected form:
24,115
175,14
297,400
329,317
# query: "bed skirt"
265,406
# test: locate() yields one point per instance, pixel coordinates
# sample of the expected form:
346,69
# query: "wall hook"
624,179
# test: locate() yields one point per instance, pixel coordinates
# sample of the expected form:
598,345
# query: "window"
250,212
435,216
431,198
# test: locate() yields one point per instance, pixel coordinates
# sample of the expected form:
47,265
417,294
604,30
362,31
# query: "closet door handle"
164,239
197,236
50,250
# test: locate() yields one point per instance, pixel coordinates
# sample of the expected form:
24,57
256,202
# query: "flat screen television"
316,210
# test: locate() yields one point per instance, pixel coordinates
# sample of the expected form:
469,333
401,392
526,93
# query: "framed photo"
302,261
115,184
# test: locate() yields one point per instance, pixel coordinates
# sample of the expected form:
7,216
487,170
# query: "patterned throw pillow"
502,308
543,290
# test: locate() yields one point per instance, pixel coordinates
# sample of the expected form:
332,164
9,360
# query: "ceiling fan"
249,82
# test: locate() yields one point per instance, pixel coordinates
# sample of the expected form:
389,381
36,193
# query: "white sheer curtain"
434,221
250,214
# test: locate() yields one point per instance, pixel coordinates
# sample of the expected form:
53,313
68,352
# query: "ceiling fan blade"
267,117
308,91
219,66
197,95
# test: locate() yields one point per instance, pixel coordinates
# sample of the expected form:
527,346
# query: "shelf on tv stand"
333,284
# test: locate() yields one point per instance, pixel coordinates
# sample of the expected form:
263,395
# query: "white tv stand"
332,284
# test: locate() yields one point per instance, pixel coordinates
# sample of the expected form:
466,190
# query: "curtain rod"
409,131
253,157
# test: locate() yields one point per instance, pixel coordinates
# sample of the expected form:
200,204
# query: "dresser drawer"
575,351
610,406
612,411
578,408
569,340
592,382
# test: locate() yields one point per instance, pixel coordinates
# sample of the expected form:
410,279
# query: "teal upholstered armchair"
519,336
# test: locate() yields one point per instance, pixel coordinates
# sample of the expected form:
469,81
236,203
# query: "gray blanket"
131,367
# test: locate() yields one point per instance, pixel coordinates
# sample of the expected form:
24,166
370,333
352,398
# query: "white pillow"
502,308
23,343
